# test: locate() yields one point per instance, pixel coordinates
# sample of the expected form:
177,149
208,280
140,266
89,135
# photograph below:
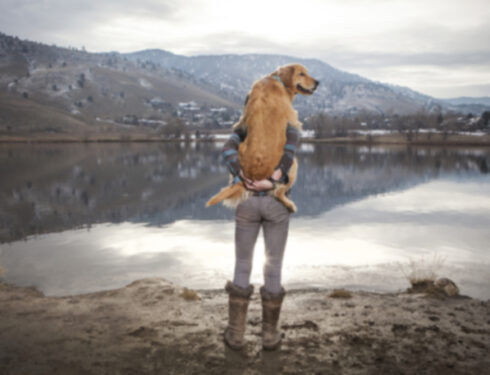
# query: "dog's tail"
230,192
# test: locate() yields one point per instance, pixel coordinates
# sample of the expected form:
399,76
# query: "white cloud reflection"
360,245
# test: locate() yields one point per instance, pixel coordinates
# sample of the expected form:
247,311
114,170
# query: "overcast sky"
440,48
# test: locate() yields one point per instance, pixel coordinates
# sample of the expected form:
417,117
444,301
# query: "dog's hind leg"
280,191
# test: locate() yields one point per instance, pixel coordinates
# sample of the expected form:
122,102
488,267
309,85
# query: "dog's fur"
268,110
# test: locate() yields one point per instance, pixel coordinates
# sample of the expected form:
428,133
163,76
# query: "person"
260,210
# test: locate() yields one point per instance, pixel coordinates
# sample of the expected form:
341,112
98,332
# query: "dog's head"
296,77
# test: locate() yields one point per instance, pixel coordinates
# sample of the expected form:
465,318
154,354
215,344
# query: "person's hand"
277,174
259,185
245,179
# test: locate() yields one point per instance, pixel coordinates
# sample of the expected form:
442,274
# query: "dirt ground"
148,327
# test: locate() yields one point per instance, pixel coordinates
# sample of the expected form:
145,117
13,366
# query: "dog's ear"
286,73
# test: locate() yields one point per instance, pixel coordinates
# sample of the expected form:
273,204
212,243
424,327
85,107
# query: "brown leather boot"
271,310
237,314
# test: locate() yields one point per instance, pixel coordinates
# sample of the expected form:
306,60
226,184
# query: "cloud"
453,91
69,22
379,39
230,42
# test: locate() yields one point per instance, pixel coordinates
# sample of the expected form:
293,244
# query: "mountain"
483,100
339,92
475,105
61,90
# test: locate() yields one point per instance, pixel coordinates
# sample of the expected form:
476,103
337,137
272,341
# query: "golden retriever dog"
267,113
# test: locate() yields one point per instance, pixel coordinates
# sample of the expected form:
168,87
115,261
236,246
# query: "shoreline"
153,326
435,139
330,141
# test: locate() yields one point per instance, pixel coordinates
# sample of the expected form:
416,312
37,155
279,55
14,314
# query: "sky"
439,48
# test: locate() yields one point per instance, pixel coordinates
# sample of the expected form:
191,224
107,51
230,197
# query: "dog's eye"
302,74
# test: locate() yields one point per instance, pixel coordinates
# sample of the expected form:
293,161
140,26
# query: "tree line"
327,125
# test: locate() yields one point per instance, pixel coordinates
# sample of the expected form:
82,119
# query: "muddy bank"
149,327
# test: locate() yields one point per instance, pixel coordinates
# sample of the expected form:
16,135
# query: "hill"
43,87
48,89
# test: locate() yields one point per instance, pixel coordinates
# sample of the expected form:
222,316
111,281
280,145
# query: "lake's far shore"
422,139
150,327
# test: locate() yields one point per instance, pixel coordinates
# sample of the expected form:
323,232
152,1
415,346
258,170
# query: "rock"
447,286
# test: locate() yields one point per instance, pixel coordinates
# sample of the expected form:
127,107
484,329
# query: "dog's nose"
316,83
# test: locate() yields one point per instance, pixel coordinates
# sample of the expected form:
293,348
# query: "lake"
77,218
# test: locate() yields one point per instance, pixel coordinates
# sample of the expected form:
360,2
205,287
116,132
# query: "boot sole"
232,346
274,346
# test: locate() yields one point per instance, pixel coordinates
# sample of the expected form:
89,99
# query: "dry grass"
424,270
340,293
422,273
190,295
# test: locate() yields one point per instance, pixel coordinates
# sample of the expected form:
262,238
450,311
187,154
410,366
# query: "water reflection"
48,188
358,245
142,208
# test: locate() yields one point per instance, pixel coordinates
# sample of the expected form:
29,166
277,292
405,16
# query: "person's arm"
292,142
230,152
